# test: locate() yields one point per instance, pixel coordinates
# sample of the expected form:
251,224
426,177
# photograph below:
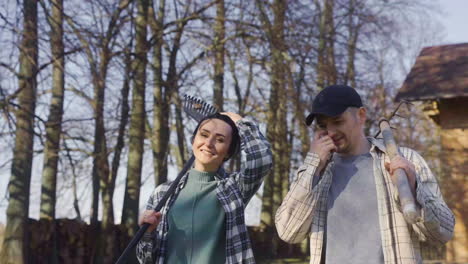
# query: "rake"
407,201
197,109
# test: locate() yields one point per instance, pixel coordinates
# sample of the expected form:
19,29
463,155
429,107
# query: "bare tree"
137,122
98,68
353,35
326,68
276,117
54,123
219,52
15,245
161,97
166,51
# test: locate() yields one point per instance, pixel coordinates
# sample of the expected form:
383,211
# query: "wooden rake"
407,201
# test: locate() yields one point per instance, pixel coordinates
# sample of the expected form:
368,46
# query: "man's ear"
362,114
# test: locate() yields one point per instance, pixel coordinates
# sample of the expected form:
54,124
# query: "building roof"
439,72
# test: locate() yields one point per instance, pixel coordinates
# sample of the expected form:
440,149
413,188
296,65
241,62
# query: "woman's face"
211,144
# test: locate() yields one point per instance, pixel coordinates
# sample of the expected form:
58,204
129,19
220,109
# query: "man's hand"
399,162
323,146
151,217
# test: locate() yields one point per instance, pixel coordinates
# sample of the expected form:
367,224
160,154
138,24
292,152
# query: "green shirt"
197,232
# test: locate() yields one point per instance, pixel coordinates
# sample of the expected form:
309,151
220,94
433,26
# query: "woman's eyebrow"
208,131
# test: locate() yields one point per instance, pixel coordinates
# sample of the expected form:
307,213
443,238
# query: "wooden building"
439,78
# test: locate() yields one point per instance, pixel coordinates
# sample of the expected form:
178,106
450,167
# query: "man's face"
345,130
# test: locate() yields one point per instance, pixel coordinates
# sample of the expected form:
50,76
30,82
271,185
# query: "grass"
285,261
2,231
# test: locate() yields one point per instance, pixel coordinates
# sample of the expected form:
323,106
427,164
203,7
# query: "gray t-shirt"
352,231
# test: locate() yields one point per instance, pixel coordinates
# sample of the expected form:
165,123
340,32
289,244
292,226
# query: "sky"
455,21
453,18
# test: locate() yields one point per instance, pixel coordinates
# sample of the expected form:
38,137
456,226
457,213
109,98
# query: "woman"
203,221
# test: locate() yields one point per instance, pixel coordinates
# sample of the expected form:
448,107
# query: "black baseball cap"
333,101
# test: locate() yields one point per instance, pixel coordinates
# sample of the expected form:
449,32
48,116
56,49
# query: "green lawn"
285,261
2,231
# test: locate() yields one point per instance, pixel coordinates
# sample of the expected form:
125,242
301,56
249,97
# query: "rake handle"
408,204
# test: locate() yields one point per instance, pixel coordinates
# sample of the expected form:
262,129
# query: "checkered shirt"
304,210
233,191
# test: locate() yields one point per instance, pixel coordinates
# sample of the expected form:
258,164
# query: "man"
343,196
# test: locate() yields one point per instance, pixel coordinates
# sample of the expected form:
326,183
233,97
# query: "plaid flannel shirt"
233,191
304,210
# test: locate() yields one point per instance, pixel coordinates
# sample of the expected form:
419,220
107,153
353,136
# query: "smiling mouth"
207,152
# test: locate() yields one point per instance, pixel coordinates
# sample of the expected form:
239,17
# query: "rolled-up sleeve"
436,224
256,158
294,217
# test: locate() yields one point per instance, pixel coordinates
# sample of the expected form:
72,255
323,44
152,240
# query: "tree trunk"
100,163
299,113
241,99
108,191
172,84
54,123
353,31
321,50
266,217
280,143
15,243
276,120
108,249
137,123
326,69
219,51
180,130
74,185
331,72
161,98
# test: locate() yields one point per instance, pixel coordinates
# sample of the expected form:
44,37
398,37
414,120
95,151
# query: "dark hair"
235,139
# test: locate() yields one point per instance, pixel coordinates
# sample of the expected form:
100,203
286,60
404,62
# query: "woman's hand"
151,217
234,117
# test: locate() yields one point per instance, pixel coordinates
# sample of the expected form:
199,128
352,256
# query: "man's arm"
437,220
294,217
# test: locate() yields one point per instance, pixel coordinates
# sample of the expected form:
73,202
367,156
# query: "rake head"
197,108
395,113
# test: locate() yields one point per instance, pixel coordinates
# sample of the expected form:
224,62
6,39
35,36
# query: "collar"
377,143
220,175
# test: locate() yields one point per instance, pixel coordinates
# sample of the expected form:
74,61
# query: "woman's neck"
205,168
